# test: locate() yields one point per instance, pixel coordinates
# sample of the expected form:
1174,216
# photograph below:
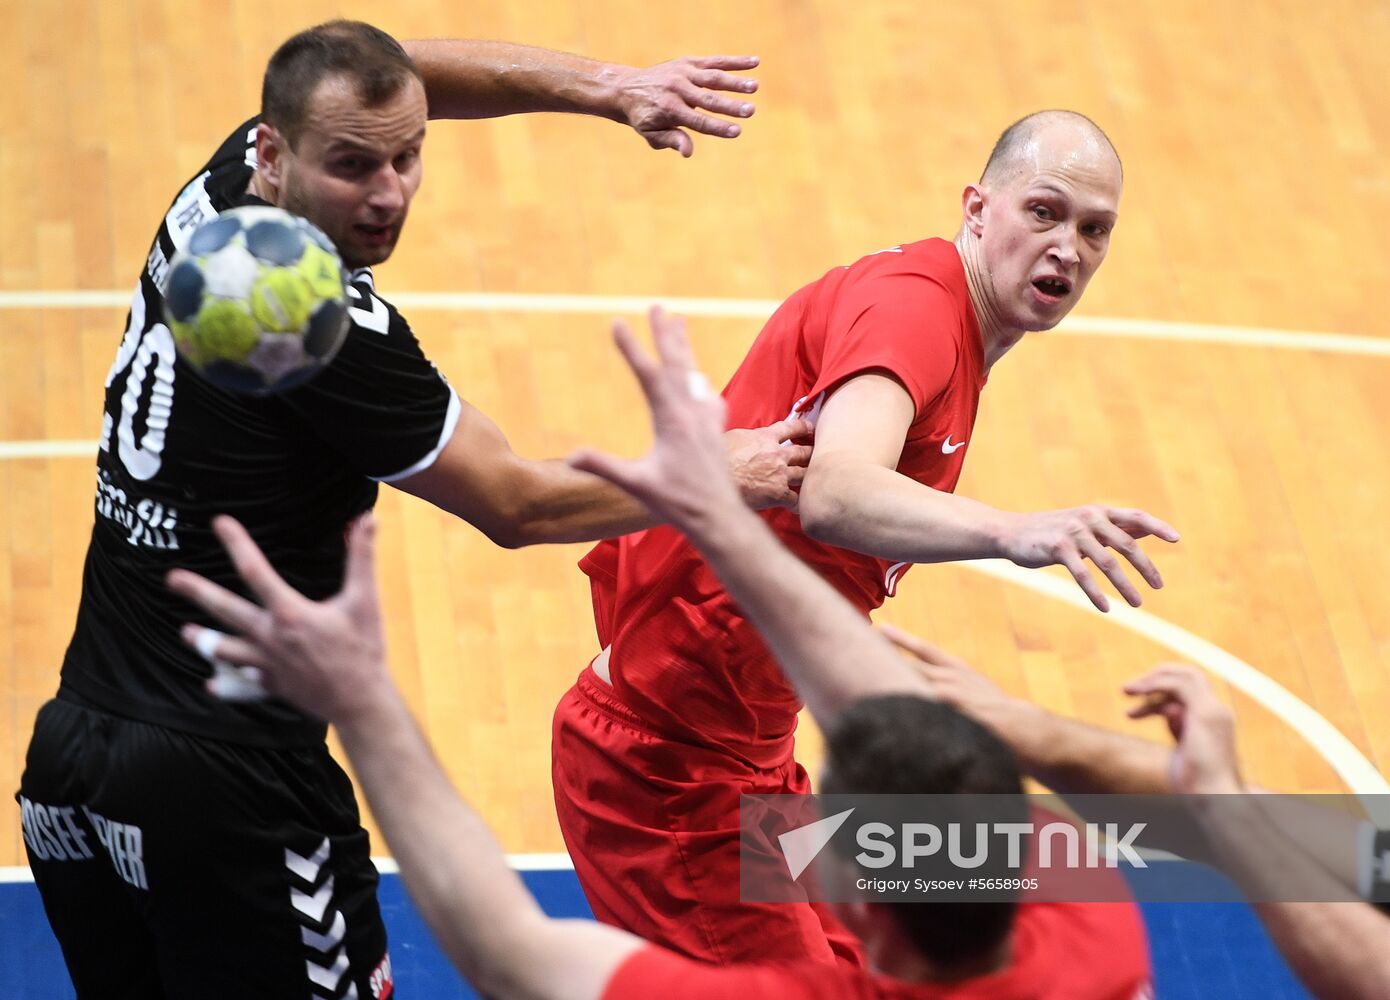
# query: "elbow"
821,510
506,527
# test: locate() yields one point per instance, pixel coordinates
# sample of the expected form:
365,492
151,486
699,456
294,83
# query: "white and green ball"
257,300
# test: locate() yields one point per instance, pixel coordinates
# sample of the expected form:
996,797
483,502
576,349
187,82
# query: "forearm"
483,79
457,874
1072,757
560,504
1336,949
824,646
1340,946
877,511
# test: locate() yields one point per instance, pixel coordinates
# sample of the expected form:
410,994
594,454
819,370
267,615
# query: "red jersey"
1061,951
683,658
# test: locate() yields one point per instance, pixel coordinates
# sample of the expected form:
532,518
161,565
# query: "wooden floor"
1255,137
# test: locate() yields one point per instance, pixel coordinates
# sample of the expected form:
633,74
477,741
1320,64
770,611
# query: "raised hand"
1069,537
327,657
685,477
660,102
1204,759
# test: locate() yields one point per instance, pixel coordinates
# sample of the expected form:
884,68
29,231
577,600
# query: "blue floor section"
1200,950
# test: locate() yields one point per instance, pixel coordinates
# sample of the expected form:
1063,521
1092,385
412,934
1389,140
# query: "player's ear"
270,147
972,205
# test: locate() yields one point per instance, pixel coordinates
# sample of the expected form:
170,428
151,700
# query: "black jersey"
293,468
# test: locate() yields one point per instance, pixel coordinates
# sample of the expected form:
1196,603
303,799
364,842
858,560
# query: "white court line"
1359,774
1350,764
386,866
47,449
609,305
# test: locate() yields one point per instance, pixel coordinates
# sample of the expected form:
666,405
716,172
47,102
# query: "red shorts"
653,827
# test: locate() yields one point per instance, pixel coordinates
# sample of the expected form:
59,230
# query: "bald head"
1047,135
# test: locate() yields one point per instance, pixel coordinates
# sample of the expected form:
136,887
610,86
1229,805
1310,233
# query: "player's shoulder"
936,260
923,278
369,311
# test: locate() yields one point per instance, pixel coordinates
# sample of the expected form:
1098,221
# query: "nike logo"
947,448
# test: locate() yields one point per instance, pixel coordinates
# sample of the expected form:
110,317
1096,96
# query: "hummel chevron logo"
313,906
947,448
326,942
329,976
800,846
307,868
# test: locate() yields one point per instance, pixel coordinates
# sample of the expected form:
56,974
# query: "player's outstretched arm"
517,501
662,103
827,650
1067,755
1338,949
853,497
329,659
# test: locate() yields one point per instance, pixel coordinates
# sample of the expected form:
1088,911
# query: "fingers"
704,93
232,610
1116,538
360,576
1177,679
668,333
1110,566
918,647
1139,524
736,63
616,470
687,115
791,429
251,563
215,646
670,138
1070,557
643,367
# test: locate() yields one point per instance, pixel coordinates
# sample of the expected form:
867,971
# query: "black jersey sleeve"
380,404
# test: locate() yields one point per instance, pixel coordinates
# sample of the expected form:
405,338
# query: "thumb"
361,555
620,472
671,138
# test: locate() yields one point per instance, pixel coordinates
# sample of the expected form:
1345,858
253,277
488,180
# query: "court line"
48,449
386,866
1349,763
608,305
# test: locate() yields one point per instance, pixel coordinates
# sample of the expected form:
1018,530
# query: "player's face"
1047,228
355,169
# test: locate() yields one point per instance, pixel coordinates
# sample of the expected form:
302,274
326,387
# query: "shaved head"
1022,144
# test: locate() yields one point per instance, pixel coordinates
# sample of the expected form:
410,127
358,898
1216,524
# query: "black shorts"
179,868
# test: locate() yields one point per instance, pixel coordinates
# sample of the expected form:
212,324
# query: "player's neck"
261,188
996,337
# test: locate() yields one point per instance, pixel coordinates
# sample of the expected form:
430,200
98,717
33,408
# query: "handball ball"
257,300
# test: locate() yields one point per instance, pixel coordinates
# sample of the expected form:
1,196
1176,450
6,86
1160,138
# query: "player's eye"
1042,212
1096,230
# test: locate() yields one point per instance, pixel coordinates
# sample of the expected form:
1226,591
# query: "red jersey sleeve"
656,972
902,322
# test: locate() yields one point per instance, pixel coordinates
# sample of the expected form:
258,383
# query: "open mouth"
1053,288
375,234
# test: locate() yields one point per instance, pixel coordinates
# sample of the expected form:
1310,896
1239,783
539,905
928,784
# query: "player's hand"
1069,537
767,471
685,478
327,657
1204,759
661,102
952,680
